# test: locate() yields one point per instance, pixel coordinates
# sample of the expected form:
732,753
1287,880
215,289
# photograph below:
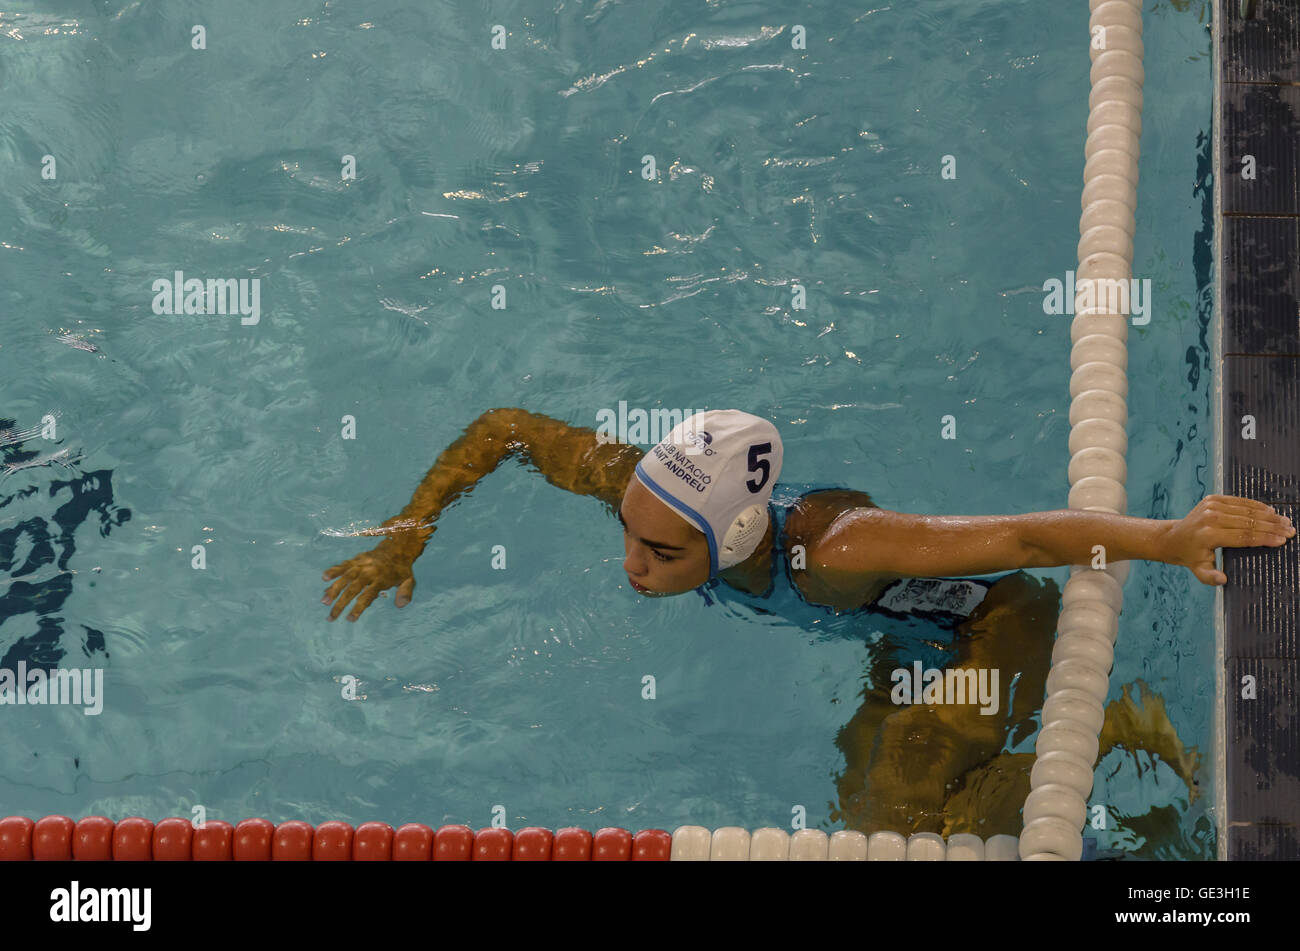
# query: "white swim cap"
716,470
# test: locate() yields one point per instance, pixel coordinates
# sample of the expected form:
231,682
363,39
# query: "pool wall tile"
1259,603
1256,842
1262,122
1258,271
1263,749
1261,428
1265,48
1261,283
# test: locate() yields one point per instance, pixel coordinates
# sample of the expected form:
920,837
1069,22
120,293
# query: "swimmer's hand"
365,575
1223,521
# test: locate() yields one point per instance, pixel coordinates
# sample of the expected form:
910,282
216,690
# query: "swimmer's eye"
658,555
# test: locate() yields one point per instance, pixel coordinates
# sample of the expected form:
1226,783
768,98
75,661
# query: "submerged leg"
989,799
940,768
903,763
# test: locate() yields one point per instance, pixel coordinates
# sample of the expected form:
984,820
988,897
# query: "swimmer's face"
665,555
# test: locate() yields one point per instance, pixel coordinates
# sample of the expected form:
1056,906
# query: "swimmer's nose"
632,564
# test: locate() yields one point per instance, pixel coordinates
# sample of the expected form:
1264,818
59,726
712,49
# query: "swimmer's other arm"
571,457
878,541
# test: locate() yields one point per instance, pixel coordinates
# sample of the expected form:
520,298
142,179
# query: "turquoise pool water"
522,167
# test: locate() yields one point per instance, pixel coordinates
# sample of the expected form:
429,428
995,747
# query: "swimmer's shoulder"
810,523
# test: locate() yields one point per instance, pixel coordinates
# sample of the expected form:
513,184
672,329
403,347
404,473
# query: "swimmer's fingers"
1235,506
1206,573
333,590
352,590
1242,531
373,591
1236,502
1230,521
1223,521
404,592
363,602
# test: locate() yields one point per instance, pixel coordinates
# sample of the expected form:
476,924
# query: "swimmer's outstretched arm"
571,457
878,541
1217,521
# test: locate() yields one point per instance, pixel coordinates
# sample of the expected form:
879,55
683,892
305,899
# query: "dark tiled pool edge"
1257,228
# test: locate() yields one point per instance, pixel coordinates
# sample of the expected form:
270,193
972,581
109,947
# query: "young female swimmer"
696,507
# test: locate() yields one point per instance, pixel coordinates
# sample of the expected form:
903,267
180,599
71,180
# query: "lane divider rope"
1079,679
99,839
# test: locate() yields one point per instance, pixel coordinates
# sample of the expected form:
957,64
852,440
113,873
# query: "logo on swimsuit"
955,685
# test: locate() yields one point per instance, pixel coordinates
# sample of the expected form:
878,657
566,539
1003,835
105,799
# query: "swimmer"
695,510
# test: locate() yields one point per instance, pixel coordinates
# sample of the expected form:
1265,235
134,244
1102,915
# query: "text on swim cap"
680,465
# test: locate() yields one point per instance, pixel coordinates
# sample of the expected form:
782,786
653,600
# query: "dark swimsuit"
942,601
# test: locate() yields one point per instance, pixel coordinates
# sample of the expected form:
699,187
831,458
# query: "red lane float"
253,840
93,840
453,844
373,842
611,845
16,839
214,842
52,839
532,845
292,841
652,845
493,845
332,842
413,842
172,839
571,845
135,839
